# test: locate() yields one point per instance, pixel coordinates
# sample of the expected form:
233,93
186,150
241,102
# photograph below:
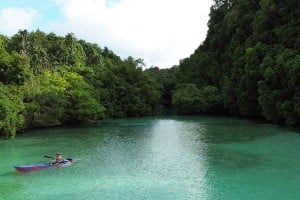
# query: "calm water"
156,158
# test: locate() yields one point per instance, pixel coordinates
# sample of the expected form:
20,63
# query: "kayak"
33,167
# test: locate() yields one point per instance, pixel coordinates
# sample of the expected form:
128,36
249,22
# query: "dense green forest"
248,65
47,80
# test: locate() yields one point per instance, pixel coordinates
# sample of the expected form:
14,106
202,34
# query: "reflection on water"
227,131
174,158
156,158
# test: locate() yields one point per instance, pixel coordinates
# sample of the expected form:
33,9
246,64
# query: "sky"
161,32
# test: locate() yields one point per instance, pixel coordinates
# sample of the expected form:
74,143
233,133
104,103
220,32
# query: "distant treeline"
249,65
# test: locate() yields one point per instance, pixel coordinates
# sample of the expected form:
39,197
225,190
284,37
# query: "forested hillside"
47,80
249,64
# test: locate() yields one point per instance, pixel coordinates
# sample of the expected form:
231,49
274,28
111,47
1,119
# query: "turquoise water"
160,158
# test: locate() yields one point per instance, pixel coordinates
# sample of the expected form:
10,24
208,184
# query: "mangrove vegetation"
248,66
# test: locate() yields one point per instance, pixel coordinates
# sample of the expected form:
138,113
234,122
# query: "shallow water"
156,158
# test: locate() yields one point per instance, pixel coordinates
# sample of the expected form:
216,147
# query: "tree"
188,100
11,111
82,106
249,55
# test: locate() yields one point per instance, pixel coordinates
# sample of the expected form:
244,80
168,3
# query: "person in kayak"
58,158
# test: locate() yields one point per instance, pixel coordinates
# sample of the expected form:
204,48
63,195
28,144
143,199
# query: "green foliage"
48,99
14,68
81,105
127,91
188,99
250,55
228,95
248,65
11,111
61,80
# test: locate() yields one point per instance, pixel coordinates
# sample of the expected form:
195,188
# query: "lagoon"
157,158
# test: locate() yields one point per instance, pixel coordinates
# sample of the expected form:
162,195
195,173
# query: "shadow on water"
10,173
235,160
227,132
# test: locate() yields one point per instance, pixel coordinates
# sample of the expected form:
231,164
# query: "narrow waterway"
165,158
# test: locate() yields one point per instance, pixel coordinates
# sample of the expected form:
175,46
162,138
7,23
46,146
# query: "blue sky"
47,9
159,31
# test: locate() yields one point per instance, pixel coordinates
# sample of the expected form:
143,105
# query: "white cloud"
14,19
159,31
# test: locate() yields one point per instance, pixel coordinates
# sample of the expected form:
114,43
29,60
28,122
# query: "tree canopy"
248,65
48,80
251,57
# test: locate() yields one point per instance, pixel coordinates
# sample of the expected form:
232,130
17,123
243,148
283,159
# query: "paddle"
49,157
